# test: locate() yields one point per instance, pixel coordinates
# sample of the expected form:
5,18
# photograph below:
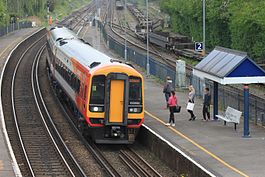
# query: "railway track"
166,57
137,164
34,148
117,31
79,17
37,148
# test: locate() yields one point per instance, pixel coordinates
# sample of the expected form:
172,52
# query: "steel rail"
50,119
40,112
103,162
13,106
137,164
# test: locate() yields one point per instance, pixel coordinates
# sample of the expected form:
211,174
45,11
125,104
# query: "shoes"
194,118
167,124
173,125
190,119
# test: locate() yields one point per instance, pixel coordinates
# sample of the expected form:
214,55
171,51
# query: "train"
119,5
105,94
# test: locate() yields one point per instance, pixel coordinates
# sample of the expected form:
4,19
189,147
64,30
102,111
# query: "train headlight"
135,110
96,108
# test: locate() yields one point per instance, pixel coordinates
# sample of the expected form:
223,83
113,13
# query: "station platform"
8,166
218,148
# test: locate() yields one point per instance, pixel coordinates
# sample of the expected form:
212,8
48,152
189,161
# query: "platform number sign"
199,46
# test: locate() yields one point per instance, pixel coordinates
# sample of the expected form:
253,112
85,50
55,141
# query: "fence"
14,26
227,96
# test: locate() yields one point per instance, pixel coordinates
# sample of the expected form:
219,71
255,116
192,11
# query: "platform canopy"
227,66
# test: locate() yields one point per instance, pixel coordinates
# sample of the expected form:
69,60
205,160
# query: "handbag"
176,109
190,106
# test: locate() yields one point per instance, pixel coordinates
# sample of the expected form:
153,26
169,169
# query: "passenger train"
106,94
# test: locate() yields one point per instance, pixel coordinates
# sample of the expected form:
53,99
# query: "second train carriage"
108,95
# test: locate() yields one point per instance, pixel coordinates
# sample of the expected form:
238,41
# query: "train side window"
85,92
81,90
97,95
78,86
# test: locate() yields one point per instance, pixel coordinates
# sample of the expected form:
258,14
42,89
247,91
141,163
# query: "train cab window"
135,91
98,90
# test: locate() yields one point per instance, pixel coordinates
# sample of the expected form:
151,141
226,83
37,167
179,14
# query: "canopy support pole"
246,111
215,100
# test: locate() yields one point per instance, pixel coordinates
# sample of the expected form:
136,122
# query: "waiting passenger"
167,89
206,104
190,104
172,103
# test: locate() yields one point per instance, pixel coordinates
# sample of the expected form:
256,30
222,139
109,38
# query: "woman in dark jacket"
167,89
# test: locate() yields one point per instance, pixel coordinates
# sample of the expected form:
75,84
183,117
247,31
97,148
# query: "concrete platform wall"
173,158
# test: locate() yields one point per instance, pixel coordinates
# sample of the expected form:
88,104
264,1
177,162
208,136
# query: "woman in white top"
191,97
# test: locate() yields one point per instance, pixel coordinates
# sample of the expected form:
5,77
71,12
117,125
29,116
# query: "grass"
64,8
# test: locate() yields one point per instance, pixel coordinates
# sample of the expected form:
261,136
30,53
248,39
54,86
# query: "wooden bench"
231,115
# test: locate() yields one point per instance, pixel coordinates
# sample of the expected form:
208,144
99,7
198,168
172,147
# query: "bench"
231,115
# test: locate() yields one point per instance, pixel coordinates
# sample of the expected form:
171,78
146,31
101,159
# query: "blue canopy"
228,66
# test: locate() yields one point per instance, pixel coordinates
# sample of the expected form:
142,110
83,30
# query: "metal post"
125,45
246,111
203,21
262,119
147,41
215,100
7,20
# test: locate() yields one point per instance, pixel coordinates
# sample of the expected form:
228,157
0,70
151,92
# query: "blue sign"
199,46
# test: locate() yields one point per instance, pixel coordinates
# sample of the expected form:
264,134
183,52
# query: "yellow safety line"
8,47
199,146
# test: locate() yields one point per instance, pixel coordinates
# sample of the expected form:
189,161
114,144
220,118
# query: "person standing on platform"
191,97
172,103
167,89
206,104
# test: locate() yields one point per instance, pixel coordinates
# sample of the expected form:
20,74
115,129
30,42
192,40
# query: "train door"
116,103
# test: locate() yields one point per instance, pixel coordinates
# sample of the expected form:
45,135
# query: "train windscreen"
98,90
135,91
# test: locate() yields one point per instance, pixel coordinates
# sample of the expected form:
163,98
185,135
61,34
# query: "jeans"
206,111
171,115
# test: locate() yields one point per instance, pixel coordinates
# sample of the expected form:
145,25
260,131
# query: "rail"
138,165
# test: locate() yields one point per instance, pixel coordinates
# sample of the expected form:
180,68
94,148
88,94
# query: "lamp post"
7,19
147,41
203,21
125,40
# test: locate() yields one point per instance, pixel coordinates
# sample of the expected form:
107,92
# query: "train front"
116,104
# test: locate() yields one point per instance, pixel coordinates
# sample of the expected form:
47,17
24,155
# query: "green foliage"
3,13
25,8
236,24
65,7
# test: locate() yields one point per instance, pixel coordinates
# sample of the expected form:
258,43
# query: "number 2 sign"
199,46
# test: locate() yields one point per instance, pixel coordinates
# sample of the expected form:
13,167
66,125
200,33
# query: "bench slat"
231,115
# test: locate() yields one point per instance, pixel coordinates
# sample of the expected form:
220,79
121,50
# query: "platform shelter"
227,66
